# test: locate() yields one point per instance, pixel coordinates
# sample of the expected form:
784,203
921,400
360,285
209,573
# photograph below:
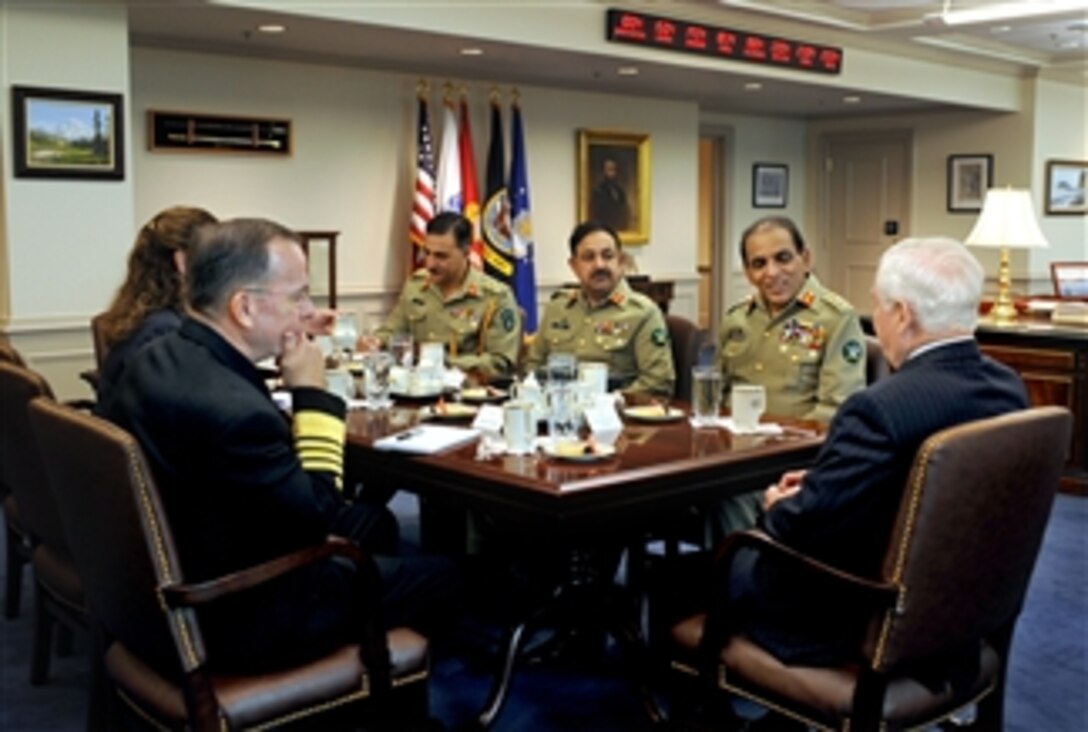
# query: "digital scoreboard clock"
653,31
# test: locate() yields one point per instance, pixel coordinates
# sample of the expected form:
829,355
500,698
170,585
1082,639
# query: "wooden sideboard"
1053,361
660,291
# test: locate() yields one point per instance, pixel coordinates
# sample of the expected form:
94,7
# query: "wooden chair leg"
102,702
13,583
65,640
43,636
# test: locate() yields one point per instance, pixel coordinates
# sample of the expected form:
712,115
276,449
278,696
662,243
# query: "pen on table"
407,435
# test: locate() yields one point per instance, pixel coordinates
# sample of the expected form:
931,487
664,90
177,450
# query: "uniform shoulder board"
742,303
837,301
494,287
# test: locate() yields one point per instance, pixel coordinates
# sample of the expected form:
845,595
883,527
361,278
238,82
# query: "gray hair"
227,257
937,278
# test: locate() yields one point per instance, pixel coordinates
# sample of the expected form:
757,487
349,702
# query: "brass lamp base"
1003,312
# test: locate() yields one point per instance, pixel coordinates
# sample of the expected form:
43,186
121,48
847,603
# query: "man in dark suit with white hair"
841,511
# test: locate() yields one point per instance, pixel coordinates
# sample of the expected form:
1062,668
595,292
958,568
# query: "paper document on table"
427,439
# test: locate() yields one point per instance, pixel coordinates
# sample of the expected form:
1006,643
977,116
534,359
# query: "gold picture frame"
614,182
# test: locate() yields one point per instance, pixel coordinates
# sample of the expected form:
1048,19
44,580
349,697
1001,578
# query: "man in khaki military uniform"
798,339
449,301
604,320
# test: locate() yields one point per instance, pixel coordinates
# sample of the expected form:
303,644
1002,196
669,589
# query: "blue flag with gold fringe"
521,226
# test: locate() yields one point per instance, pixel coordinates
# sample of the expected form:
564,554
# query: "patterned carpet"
1047,692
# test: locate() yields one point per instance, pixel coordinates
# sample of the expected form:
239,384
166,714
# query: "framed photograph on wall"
1066,187
614,182
62,133
770,185
969,177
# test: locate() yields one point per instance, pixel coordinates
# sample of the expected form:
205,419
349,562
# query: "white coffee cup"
747,404
340,382
594,377
518,427
432,354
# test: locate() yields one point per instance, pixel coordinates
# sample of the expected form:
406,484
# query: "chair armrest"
881,592
83,405
371,638
189,595
91,377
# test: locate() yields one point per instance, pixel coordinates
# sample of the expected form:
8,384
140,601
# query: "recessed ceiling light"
472,51
851,99
1001,29
627,71
752,86
272,28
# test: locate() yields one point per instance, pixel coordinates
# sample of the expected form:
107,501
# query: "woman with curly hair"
151,302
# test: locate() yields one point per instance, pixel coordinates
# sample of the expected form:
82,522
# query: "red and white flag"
423,196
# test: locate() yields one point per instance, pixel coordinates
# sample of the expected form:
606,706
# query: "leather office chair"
100,351
963,546
687,341
58,593
16,541
876,366
144,618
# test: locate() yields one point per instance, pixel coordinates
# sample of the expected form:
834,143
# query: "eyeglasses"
297,297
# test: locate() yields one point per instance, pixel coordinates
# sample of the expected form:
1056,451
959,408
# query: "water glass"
401,346
345,332
561,368
706,395
376,368
564,419
747,404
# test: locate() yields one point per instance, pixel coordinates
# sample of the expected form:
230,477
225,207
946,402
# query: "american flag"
423,196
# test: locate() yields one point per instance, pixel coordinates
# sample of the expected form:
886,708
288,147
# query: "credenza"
1053,361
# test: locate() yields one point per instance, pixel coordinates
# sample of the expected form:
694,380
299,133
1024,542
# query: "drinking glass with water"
376,368
706,395
563,417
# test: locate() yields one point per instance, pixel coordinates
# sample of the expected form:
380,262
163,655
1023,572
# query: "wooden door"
867,186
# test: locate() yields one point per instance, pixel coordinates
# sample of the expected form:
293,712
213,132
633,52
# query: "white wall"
78,224
1061,133
352,169
756,140
62,238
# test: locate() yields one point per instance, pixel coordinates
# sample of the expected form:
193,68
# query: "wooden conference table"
658,469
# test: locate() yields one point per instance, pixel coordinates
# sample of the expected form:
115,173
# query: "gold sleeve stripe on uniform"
319,449
319,442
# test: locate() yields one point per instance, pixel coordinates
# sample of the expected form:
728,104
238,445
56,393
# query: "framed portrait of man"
614,182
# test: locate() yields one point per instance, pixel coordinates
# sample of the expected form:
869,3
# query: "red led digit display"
677,35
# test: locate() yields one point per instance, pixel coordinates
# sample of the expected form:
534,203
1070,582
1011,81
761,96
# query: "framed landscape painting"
62,133
1066,187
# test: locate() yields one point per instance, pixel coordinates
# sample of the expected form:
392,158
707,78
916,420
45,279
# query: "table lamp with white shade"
1007,221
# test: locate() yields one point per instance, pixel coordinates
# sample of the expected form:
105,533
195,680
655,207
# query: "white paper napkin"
763,428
